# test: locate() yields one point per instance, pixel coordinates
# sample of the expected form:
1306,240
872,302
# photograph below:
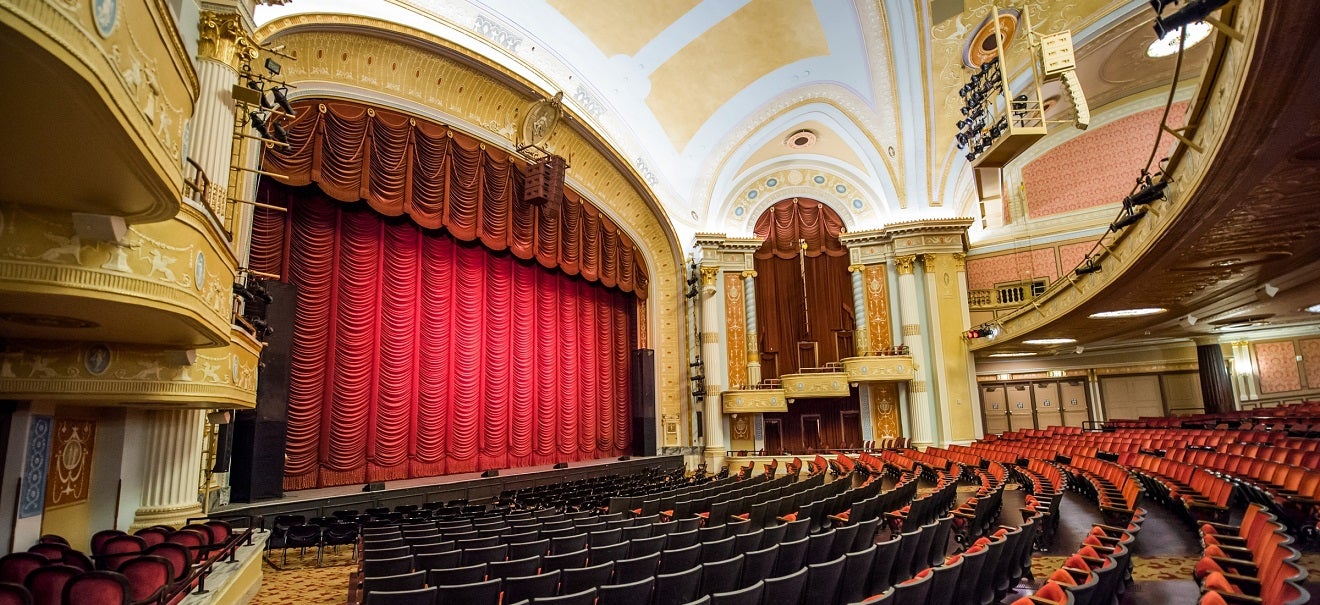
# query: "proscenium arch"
359,59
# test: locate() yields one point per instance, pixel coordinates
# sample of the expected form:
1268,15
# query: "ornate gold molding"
960,261
929,260
911,329
856,268
905,263
751,274
222,37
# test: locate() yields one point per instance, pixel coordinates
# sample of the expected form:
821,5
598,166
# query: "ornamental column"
749,307
948,318
710,354
222,46
923,412
171,468
861,331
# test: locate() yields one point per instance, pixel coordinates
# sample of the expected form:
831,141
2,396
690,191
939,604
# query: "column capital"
928,260
856,268
960,261
708,276
905,263
748,273
224,38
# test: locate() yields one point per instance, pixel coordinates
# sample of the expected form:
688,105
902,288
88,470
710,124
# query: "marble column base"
174,516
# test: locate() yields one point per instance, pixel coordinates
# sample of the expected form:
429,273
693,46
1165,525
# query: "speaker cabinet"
561,465
374,486
257,472
493,472
642,380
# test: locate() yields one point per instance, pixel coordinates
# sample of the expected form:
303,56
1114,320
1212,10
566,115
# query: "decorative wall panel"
70,472
1276,363
884,411
735,327
986,272
1311,361
877,307
32,497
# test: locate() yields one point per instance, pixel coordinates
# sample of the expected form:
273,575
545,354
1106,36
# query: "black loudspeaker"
374,486
257,471
493,472
273,376
642,381
257,468
561,465
624,458
224,447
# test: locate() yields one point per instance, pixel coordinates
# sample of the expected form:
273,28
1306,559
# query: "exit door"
1019,408
995,407
1072,398
1046,398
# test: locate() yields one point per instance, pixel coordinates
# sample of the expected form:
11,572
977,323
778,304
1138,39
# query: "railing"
887,351
198,188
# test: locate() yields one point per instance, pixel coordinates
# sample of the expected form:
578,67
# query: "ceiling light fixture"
1049,341
1124,313
1021,354
1168,45
1312,309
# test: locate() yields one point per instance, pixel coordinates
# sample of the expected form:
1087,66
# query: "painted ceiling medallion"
40,320
981,45
801,139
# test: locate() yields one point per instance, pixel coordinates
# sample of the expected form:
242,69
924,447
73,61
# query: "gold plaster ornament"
905,263
222,37
541,119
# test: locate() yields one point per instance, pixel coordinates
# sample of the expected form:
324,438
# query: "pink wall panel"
1276,362
1070,255
983,273
1098,167
1311,360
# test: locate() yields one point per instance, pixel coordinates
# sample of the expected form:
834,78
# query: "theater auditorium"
659,302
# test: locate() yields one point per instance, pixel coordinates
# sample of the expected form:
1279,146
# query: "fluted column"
171,468
861,330
909,311
1243,373
221,46
710,354
753,349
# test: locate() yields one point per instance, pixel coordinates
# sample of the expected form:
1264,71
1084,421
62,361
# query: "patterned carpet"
301,582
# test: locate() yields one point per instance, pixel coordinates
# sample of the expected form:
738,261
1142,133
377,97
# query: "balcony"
892,365
97,102
765,397
827,381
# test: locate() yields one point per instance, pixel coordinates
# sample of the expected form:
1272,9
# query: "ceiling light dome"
1168,45
801,139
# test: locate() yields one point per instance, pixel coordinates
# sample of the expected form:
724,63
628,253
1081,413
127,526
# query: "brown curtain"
441,179
779,287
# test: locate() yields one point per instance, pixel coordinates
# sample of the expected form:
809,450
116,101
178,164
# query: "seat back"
787,589
677,588
520,588
97,587
148,576
636,568
474,593
856,574
46,584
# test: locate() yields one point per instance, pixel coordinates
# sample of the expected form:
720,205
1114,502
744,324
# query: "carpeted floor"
301,582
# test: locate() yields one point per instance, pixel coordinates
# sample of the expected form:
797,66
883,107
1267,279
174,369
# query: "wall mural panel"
735,326
987,272
884,411
70,472
31,500
1277,364
877,307
1311,361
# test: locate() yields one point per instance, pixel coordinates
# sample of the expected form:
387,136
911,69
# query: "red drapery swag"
418,352
444,179
779,289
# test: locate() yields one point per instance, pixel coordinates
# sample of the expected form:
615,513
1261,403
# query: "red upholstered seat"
148,577
97,588
47,583
15,567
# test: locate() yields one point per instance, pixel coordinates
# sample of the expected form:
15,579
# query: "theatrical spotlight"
1148,194
281,95
1128,219
272,66
259,124
1088,266
257,86
697,377
990,332
280,133
692,292
696,363
1191,12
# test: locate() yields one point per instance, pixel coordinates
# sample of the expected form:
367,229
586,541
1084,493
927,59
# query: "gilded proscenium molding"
223,37
376,61
822,384
133,57
1218,98
176,276
735,328
889,368
754,401
113,374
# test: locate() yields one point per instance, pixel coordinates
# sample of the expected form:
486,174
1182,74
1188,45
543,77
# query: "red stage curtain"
415,354
442,178
779,288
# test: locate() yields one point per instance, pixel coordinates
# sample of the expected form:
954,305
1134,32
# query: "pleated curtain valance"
444,179
789,222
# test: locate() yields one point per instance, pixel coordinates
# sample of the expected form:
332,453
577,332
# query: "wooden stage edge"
322,502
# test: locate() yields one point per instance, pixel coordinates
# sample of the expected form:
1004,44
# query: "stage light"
1088,266
1192,12
1159,5
692,292
280,133
697,377
272,66
988,332
281,95
1147,194
259,124
695,363
1127,220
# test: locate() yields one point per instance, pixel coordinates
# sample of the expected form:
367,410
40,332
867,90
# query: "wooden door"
1072,400
994,404
1182,393
850,425
1019,407
1045,396
774,437
811,437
